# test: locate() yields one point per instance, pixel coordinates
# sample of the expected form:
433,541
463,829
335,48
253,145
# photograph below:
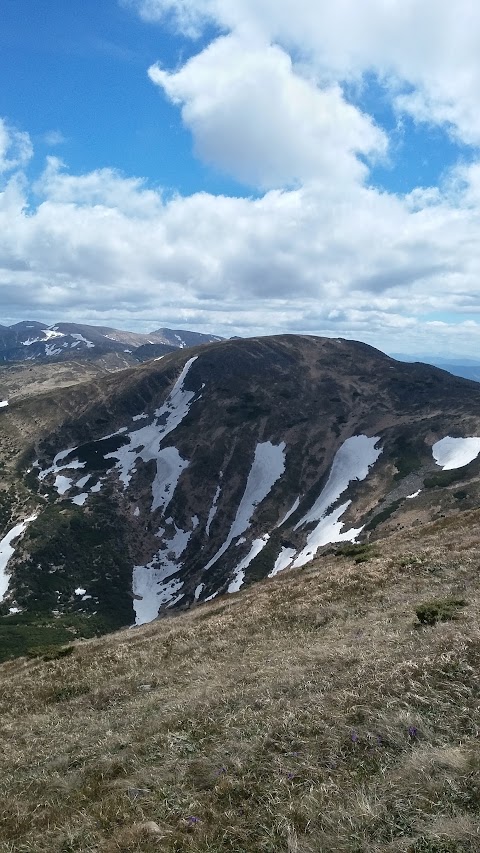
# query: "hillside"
308,714
200,473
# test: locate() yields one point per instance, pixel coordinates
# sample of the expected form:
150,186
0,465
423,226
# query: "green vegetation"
67,548
383,515
7,502
34,635
407,457
361,552
444,478
442,610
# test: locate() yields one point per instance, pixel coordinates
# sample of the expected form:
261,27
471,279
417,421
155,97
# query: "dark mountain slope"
200,473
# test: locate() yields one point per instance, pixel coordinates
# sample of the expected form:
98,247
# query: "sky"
244,167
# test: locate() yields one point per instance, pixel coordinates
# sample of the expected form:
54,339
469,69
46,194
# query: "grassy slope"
310,713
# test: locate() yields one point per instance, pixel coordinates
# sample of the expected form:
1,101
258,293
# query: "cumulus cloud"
15,148
322,258
425,51
253,116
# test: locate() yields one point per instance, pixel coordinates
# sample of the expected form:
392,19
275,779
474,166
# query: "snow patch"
150,582
239,575
83,482
289,513
199,590
352,462
51,349
56,466
80,591
415,495
170,466
3,404
6,551
451,453
283,561
81,339
213,510
267,467
145,444
79,500
52,333
150,594
62,484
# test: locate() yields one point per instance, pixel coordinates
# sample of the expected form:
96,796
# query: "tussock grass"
309,714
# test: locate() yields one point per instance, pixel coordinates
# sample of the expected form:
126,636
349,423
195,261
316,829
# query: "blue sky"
81,69
243,168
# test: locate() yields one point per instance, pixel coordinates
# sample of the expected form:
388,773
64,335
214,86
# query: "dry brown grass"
308,714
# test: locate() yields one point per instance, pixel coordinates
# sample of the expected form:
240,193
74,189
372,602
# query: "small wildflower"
290,776
413,732
354,737
192,821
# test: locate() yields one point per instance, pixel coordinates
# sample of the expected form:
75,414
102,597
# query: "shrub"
442,610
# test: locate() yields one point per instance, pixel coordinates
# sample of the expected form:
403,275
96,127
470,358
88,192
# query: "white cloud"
15,148
425,50
254,117
321,258
54,138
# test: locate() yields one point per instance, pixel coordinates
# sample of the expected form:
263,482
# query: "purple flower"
290,776
354,737
193,820
413,732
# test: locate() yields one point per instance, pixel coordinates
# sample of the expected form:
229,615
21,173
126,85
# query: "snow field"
7,551
267,467
451,453
352,462
150,581
239,574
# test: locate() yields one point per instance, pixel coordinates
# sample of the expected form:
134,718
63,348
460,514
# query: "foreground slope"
207,470
309,714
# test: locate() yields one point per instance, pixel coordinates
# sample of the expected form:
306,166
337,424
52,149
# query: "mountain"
181,338
466,368
186,478
33,341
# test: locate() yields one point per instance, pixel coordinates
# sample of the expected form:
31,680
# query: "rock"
149,827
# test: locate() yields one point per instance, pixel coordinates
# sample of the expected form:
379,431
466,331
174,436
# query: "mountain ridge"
33,341
220,464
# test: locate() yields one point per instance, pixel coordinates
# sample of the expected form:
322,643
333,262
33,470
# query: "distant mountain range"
34,341
467,368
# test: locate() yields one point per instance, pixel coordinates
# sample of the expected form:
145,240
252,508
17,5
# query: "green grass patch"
407,457
441,610
361,552
383,515
36,635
